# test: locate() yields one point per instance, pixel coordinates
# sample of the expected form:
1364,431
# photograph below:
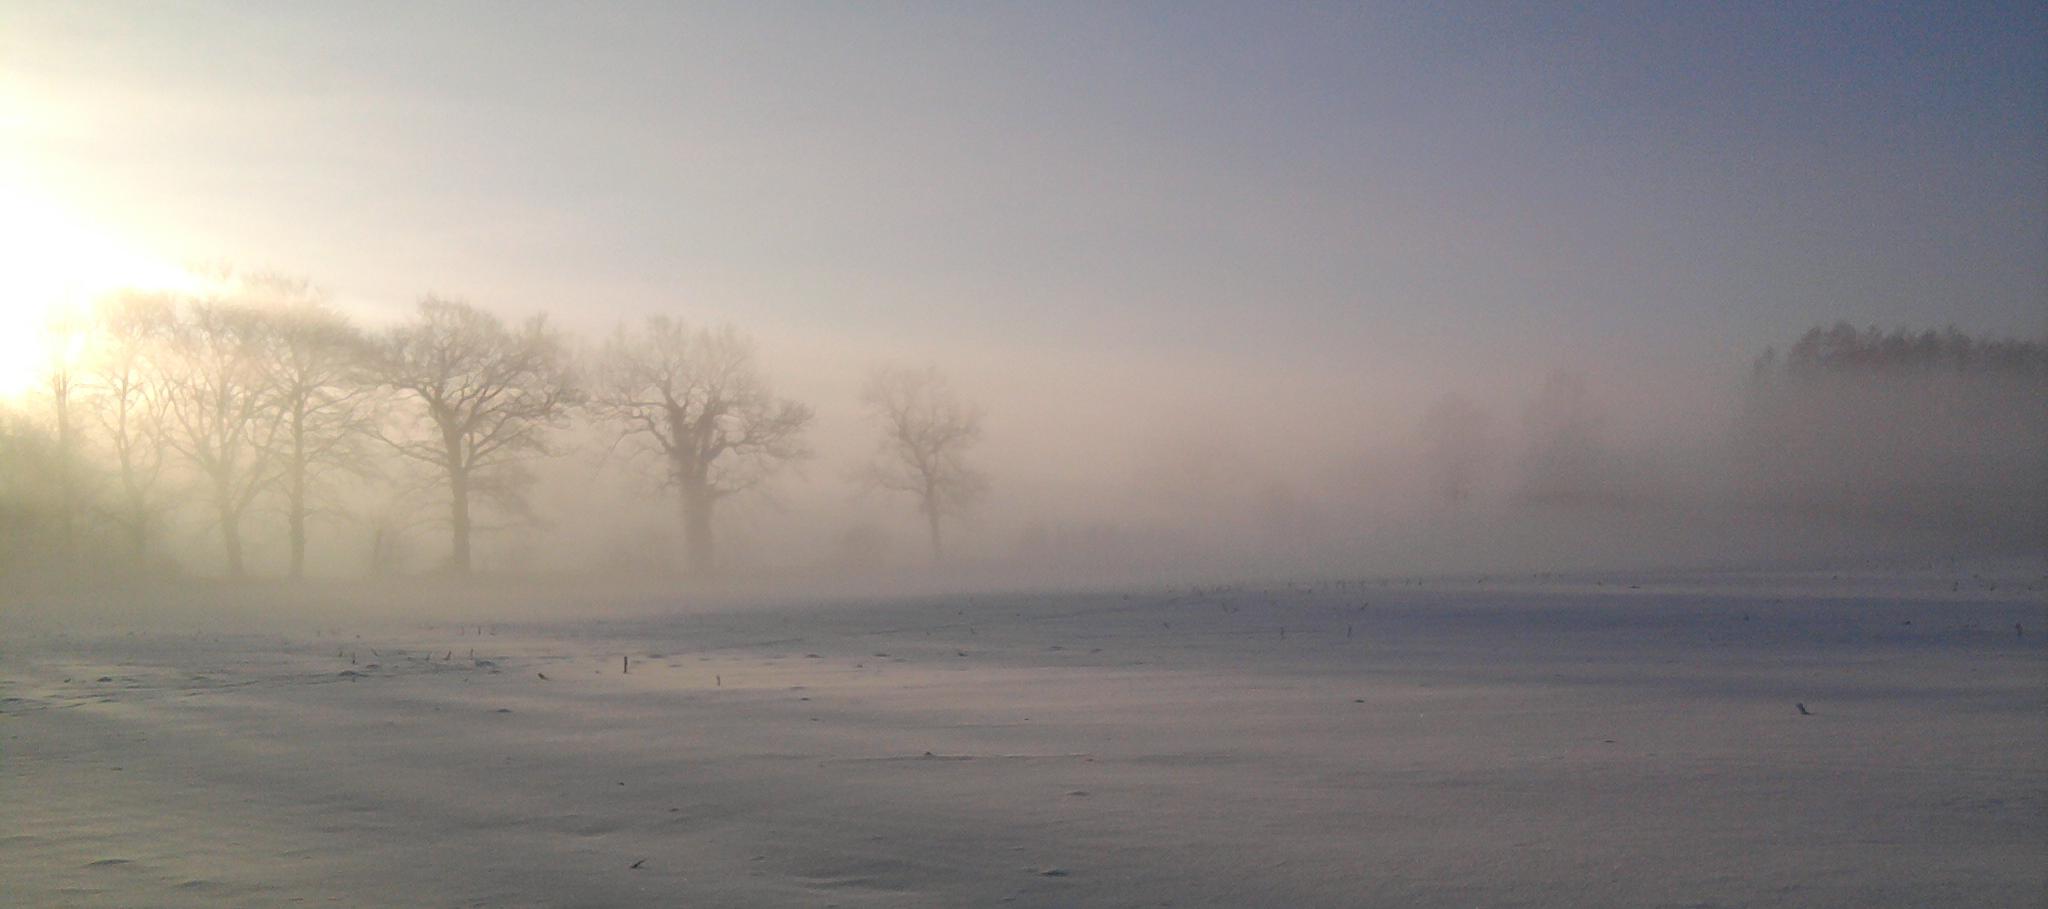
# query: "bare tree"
699,397
129,398
318,367
222,419
64,339
490,394
926,432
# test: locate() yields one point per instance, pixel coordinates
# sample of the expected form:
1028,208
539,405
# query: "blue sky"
1429,182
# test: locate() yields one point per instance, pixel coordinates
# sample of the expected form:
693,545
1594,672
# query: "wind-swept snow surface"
1555,742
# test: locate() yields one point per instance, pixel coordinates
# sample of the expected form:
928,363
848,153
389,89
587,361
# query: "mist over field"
1220,305
1056,454
1144,469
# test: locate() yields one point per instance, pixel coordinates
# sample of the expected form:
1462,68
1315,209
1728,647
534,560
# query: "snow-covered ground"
1488,742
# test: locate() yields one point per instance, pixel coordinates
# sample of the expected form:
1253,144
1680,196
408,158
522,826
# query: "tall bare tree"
129,398
699,398
221,407
319,370
65,337
926,431
490,394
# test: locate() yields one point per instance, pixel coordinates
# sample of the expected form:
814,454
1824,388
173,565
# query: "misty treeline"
252,428
1928,430
1934,428
255,408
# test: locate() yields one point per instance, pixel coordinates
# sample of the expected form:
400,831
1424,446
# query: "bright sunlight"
59,263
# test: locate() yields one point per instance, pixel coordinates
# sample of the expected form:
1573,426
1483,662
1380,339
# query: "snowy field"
1603,741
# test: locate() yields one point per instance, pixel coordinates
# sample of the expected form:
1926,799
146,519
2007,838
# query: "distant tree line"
1844,350
1934,429
1924,429
257,401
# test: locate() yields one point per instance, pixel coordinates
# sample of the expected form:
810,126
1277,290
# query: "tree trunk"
697,502
230,535
931,517
458,487
137,523
295,493
298,533
67,481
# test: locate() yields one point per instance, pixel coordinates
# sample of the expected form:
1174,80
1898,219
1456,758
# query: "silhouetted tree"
129,399
318,367
699,398
221,416
926,432
65,337
489,394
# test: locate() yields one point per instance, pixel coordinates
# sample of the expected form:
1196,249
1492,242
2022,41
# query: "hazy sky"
1412,185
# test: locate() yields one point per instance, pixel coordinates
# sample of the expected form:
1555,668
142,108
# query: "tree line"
1935,428
1932,429
1842,349
257,397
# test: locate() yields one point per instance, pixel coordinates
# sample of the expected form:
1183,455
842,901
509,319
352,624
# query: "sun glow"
53,265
